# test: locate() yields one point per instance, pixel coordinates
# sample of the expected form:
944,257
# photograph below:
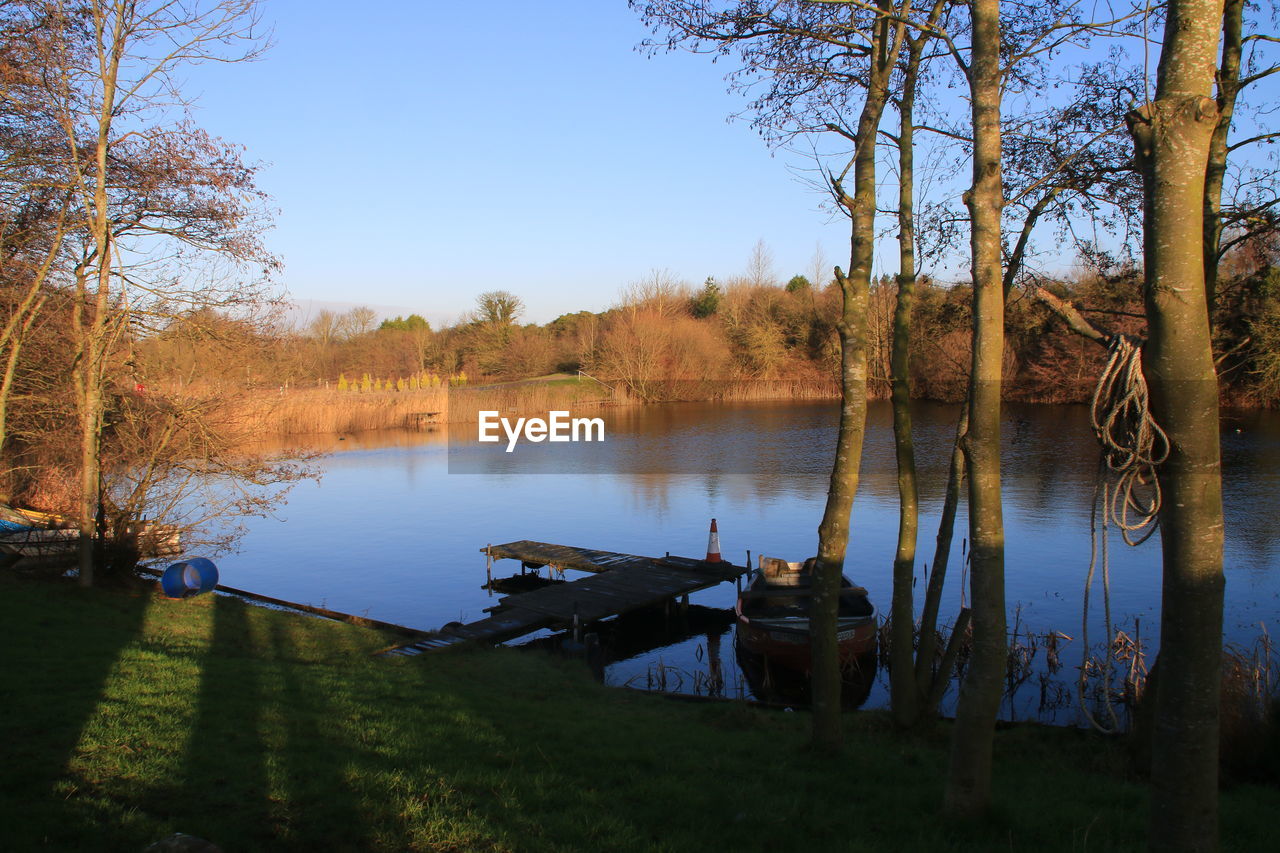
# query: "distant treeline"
667,340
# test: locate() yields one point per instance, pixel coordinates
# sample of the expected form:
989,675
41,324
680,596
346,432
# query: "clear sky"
421,153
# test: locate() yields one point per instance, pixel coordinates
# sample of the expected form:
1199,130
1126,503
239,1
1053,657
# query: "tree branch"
1067,312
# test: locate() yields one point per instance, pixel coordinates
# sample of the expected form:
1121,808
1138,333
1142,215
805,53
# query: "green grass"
590,387
126,717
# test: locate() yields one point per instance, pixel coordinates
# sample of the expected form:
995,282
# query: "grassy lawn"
580,386
125,717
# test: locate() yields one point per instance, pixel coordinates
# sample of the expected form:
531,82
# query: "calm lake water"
396,526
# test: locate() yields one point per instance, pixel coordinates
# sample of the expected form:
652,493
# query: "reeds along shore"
291,411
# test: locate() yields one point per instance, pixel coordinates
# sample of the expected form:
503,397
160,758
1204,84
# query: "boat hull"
40,542
773,617
46,543
793,647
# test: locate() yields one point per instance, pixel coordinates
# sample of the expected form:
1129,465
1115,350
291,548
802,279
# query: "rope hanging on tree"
1126,487
1132,443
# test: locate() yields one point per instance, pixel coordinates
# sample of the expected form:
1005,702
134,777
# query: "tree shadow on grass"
318,759
264,770
472,775
224,788
58,645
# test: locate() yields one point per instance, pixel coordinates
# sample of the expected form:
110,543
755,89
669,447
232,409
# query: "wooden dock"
619,584
419,420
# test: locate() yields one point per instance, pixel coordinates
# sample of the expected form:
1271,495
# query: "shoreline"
292,412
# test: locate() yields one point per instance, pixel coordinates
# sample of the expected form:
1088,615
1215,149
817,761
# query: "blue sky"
422,153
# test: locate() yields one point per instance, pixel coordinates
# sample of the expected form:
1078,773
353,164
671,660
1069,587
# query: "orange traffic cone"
713,544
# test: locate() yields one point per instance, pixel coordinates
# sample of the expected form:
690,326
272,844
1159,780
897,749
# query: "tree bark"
969,774
1228,77
904,697
111,32
1172,138
833,531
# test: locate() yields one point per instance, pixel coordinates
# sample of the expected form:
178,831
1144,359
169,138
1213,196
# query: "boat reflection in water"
776,683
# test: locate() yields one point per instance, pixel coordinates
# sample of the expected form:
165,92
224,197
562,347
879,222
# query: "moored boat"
38,535
41,542
28,533
773,616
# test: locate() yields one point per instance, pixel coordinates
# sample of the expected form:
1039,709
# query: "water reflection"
390,532
782,685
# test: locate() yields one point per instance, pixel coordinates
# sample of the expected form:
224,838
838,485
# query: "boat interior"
782,590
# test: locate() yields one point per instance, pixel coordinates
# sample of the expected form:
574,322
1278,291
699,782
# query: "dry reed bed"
300,412
528,398
325,410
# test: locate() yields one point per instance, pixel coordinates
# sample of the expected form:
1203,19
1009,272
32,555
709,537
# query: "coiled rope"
1126,488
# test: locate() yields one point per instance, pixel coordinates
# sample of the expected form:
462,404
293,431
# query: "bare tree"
492,329
179,455
760,272
908,690
498,308
1173,136
145,180
358,321
826,68
969,773
661,291
34,181
819,267
325,327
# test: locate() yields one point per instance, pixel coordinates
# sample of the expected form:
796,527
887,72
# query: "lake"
396,526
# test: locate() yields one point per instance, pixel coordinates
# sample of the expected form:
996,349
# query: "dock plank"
618,583
564,556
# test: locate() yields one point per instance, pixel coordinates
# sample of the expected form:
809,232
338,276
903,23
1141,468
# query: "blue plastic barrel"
189,577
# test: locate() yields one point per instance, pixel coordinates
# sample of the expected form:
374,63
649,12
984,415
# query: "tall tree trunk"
80,379
833,532
112,29
1228,78
904,696
908,689
90,398
969,775
1172,137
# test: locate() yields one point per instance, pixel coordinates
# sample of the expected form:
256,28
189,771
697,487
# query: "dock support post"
715,670
684,604
488,569
595,656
